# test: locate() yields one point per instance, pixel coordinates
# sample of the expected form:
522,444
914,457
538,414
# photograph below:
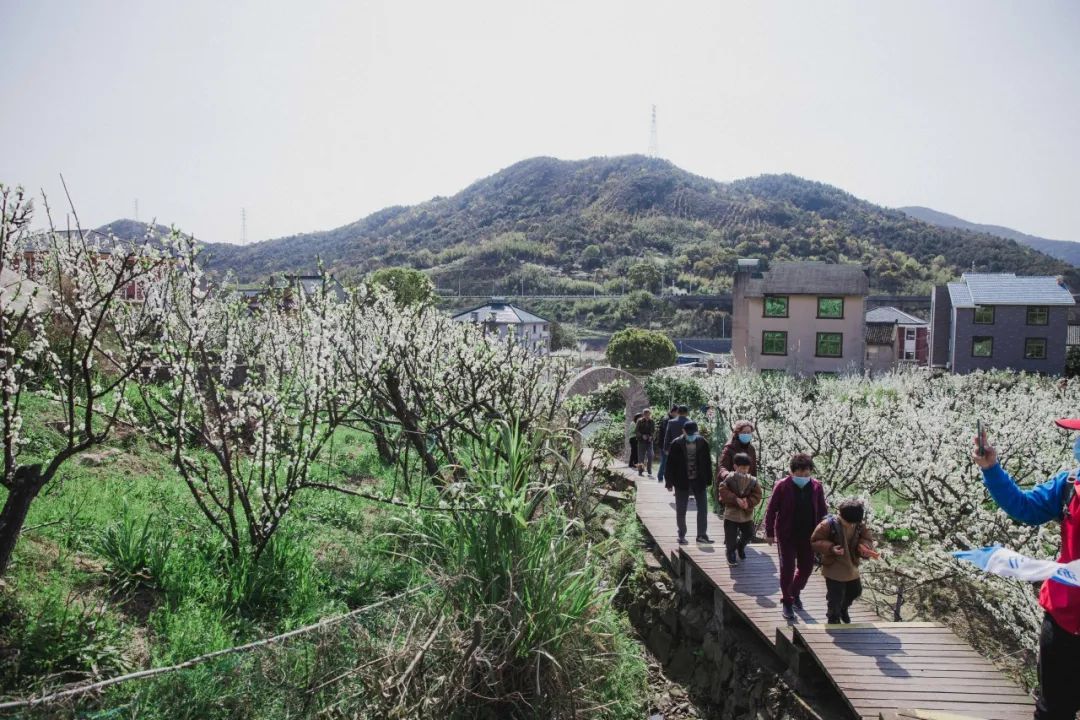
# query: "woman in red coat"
796,507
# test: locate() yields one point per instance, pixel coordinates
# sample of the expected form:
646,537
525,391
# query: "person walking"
1059,639
740,493
674,429
689,471
644,430
661,434
634,442
796,507
742,438
843,541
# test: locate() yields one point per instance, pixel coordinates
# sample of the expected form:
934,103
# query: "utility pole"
136,209
654,139
243,226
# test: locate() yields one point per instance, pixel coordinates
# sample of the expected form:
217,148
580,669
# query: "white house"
506,320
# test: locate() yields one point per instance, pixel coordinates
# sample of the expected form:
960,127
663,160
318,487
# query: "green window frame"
1034,348
774,342
830,308
984,314
829,345
1038,315
982,346
775,306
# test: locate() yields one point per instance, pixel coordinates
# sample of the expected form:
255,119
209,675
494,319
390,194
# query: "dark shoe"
797,602
704,539
833,620
845,617
789,614
683,541
731,559
742,553
640,473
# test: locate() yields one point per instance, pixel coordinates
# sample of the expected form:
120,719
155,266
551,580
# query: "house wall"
940,327
802,326
880,359
1009,331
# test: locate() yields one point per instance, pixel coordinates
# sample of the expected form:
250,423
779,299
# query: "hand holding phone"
980,438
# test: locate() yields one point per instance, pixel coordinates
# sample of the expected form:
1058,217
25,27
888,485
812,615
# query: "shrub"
663,390
637,349
134,554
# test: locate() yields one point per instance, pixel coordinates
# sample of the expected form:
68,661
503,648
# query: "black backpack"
836,534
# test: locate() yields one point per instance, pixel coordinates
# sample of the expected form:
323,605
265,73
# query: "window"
830,307
1035,348
774,342
909,333
982,347
909,355
984,314
830,345
776,306
1038,315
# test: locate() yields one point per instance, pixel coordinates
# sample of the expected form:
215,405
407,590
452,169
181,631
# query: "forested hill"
1062,249
550,225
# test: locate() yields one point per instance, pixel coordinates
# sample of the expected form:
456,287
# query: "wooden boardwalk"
880,669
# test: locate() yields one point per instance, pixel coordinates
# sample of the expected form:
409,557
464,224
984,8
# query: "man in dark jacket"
689,471
644,429
661,434
796,507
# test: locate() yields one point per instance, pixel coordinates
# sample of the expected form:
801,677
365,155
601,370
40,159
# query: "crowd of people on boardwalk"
797,521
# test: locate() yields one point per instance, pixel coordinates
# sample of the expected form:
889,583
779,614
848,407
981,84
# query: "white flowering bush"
903,443
79,316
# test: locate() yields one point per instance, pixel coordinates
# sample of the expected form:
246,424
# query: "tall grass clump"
520,571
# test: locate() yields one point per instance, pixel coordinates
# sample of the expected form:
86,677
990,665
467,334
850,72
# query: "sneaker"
683,541
704,539
789,614
844,617
797,602
742,553
731,559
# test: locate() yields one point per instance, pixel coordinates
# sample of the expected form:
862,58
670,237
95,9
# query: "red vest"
1060,600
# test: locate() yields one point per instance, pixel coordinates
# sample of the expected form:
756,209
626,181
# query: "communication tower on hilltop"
243,226
654,139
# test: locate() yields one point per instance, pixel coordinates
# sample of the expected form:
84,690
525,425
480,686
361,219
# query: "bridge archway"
633,393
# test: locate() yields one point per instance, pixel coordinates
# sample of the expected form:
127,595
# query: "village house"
895,338
1000,321
504,320
803,318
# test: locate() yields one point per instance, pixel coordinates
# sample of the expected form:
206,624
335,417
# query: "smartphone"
979,436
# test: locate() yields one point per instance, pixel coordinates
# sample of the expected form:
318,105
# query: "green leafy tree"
562,337
409,286
636,349
644,275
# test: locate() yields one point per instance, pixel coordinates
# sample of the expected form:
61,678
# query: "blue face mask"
1076,448
746,438
692,438
800,481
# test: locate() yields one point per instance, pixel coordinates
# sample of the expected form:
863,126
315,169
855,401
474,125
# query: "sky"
311,115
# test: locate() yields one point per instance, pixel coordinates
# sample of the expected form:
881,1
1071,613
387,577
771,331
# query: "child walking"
843,540
740,493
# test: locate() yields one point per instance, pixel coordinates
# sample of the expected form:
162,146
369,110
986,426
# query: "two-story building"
899,338
1000,321
803,318
504,320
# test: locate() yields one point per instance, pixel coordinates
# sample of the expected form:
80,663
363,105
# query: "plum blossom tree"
79,314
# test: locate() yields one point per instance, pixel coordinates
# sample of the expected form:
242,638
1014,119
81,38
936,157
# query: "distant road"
713,302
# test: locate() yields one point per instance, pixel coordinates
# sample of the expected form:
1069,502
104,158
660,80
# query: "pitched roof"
892,315
810,278
1008,289
880,333
501,313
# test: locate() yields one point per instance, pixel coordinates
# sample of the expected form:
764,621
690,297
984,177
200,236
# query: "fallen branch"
154,672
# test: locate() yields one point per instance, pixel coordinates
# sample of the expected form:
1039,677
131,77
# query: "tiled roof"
892,315
501,313
880,333
1007,289
810,278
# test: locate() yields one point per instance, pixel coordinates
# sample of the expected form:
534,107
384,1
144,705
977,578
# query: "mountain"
1061,249
605,225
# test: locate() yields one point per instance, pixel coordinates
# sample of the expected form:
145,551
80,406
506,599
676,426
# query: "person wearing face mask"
689,471
843,540
742,437
796,507
1059,640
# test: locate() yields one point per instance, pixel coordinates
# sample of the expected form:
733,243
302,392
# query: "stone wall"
725,667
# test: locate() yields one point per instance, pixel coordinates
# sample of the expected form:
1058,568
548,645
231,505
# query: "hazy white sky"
312,114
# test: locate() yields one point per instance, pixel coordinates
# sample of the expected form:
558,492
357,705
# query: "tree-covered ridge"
547,225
